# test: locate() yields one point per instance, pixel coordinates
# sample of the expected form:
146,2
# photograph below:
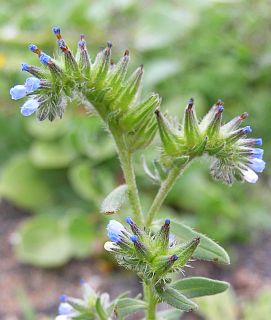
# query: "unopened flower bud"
134,227
18,92
214,125
141,248
84,61
163,264
70,62
191,128
117,75
170,138
130,92
162,238
101,66
185,252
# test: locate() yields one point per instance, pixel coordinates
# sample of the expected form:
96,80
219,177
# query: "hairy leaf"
113,202
174,298
127,306
207,250
199,286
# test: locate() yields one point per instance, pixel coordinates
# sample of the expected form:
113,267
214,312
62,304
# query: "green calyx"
153,256
194,138
104,87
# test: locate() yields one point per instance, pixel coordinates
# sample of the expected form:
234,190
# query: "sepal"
100,67
170,138
223,143
130,91
190,126
117,75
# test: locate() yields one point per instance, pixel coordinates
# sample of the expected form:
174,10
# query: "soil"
249,272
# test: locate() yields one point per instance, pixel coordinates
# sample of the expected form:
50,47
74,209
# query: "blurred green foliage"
61,172
226,303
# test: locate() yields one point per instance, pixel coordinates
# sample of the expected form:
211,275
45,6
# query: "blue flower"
65,309
18,92
32,84
56,30
129,220
257,153
44,58
29,107
249,175
259,141
63,298
32,47
25,67
247,129
256,164
115,230
134,238
63,317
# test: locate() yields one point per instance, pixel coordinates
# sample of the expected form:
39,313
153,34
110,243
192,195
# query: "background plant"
170,58
104,88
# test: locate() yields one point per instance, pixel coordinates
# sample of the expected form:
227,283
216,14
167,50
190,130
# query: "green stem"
125,157
149,297
165,187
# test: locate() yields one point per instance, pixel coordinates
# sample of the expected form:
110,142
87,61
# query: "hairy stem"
163,191
151,302
126,161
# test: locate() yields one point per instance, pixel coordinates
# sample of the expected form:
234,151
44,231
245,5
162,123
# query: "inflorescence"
153,256
104,87
234,155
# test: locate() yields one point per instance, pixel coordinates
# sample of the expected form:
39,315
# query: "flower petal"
29,107
249,175
18,92
256,164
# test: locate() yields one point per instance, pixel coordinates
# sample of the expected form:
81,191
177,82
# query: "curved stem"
125,157
165,187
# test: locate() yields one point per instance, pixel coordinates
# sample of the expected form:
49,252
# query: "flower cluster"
153,256
235,156
101,85
74,308
20,91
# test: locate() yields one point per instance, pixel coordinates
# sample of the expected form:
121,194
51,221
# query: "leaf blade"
176,299
126,306
207,250
114,200
199,286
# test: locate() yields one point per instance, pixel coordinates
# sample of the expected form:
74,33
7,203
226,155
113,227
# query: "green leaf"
90,183
176,299
199,286
127,306
43,242
207,249
48,155
113,202
100,310
80,232
88,136
171,314
81,178
49,241
44,130
24,185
